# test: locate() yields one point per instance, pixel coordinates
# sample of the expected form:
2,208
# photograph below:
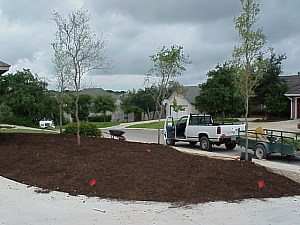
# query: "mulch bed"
123,170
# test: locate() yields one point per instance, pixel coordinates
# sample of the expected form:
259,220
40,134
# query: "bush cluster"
86,129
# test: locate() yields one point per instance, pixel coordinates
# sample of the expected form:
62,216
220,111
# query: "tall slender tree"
248,56
168,63
79,48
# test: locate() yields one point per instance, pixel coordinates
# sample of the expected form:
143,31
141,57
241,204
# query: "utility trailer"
266,142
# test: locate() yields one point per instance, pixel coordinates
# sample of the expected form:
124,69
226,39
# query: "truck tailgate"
232,129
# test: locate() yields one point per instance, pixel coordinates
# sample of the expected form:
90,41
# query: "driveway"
20,204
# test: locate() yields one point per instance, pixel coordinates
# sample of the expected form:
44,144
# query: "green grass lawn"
151,125
106,124
26,131
11,129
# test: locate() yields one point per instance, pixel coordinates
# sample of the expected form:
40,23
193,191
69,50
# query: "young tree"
80,49
63,75
168,63
248,57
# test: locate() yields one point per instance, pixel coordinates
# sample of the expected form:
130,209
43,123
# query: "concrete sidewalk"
20,204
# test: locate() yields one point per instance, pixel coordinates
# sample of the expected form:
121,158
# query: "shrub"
86,129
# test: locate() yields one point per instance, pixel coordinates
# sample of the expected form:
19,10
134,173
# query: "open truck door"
169,131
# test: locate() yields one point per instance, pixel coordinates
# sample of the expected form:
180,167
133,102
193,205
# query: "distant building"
4,67
293,94
186,101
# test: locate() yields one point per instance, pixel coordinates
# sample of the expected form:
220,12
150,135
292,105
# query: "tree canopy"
103,104
218,95
24,97
271,94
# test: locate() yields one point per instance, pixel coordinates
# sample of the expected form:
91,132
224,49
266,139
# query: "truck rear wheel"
260,151
170,142
230,146
205,144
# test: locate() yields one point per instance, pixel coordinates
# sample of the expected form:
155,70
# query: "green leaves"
104,103
219,95
26,97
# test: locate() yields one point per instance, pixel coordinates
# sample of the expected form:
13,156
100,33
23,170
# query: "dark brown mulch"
133,171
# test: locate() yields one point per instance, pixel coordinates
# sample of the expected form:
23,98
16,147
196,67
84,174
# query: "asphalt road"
151,136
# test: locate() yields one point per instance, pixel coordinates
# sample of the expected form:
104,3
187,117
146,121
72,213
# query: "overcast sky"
138,28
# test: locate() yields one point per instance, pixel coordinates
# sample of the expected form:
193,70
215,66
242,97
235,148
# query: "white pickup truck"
195,128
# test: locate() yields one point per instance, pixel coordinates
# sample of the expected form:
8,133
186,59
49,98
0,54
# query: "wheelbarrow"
118,134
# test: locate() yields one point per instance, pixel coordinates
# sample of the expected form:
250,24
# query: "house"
186,101
4,67
293,94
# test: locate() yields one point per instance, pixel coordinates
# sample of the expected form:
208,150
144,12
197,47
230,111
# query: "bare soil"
123,170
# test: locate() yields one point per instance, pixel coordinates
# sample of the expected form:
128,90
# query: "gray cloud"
137,29
170,11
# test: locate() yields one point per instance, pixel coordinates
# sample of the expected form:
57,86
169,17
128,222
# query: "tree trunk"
77,120
246,121
60,117
158,128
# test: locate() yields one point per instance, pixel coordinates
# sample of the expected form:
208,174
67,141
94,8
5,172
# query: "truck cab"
181,129
201,128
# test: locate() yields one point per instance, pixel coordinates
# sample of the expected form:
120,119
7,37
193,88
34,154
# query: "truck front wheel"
205,144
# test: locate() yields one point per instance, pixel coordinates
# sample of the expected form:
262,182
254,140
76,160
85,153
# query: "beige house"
186,101
4,67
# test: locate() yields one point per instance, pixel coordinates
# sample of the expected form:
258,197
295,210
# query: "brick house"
293,94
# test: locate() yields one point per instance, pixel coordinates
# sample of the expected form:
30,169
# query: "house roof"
100,91
93,91
4,67
293,82
191,92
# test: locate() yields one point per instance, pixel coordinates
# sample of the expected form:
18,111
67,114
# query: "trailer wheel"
260,151
205,144
170,142
230,146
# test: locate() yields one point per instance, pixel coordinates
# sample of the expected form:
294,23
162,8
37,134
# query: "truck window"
183,120
198,120
195,120
207,120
